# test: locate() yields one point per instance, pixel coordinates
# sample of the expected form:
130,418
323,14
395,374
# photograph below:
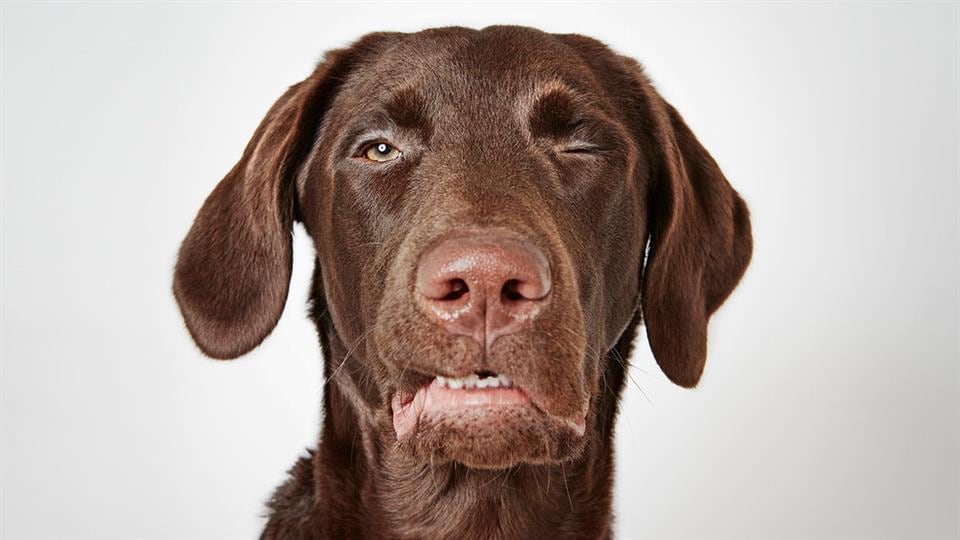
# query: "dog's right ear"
233,269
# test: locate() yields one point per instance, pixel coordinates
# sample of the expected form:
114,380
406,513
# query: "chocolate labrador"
492,212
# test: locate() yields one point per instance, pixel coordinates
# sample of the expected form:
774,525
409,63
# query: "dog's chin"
484,429
494,439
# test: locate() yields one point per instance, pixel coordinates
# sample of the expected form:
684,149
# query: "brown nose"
483,286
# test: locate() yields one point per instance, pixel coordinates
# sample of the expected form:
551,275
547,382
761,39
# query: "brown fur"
489,122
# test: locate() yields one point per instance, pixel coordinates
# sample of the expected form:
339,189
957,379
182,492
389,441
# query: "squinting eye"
381,152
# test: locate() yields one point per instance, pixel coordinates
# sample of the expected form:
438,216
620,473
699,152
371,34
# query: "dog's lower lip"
439,398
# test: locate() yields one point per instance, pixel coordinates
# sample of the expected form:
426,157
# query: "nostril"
458,288
511,291
516,290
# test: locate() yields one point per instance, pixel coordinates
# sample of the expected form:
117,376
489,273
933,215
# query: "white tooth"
470,381
493,382
483,382
456,384
442,381
505,381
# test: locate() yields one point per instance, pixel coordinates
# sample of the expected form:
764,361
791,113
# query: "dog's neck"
359,485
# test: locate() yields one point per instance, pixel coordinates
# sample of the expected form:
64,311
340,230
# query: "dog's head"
482,204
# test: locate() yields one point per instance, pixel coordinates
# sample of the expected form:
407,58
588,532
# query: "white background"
829,407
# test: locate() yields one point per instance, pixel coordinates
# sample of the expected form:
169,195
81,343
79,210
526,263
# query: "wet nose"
483,286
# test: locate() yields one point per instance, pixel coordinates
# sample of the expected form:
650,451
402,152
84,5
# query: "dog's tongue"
435,398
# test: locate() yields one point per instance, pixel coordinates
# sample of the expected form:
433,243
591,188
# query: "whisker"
488,482
347,356
533,472
549,477
565,486
626,369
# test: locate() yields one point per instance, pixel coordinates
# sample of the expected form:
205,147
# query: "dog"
494,213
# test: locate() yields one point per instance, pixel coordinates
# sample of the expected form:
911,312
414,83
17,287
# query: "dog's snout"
483,286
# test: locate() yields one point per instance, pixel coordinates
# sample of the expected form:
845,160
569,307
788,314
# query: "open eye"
381,152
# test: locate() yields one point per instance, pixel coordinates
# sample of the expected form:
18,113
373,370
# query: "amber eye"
381,152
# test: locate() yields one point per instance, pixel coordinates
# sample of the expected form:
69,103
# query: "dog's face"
480,203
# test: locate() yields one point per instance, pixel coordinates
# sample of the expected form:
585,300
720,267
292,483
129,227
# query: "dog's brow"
408,109
553,112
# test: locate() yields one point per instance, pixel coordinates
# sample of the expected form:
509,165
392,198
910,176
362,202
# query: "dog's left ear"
700,243
698,226
233,270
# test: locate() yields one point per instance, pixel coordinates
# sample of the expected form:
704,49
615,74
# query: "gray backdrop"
829,406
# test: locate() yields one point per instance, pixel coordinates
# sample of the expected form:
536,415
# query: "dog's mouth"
485,392
485,407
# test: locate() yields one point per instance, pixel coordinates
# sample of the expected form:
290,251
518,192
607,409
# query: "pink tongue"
437,399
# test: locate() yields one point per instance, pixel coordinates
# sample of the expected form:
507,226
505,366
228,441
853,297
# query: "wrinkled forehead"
463,76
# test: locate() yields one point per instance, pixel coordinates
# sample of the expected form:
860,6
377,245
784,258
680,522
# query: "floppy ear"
700,245
233,269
